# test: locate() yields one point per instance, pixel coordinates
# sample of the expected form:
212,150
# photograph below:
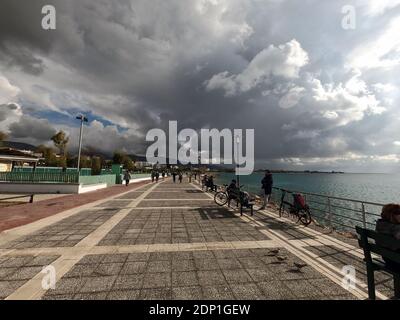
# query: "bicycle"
242,198
298,209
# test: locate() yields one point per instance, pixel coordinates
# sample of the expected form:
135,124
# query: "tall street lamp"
83,119
237,159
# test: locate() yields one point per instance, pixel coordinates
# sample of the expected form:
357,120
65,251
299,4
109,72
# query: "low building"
9,158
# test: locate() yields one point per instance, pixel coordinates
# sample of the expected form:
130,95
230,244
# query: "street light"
237,159
83,119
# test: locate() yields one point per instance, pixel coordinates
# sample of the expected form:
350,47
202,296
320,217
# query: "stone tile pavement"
170,241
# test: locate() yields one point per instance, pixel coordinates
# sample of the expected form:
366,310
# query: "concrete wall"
62,188
27,188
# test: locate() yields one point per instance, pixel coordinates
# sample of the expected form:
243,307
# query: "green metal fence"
62,177
83,171
36,177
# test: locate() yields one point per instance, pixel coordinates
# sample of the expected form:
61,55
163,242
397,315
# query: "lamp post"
237,160
83,119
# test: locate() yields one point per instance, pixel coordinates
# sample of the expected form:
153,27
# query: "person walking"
157,176
174,177
180,177
266,185
127,177
163,175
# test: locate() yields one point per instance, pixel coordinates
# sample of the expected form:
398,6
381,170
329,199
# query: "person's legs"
267,199
127,182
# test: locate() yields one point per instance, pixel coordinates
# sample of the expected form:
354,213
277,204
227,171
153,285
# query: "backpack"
299,201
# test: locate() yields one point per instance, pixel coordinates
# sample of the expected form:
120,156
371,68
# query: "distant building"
17,154
9,158
141,162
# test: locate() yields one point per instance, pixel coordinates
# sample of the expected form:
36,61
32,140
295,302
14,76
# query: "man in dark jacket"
266,185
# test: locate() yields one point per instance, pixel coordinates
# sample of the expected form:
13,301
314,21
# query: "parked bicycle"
298,209
242,198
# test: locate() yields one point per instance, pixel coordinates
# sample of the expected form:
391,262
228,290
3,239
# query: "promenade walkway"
170,241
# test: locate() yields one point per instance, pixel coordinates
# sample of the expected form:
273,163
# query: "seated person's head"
391,213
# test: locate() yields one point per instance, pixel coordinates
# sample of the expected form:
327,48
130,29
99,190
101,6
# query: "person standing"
174,176
163,175
266,185
127,177
157,176
180,177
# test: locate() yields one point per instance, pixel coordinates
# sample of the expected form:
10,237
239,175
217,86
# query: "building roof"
17,145
16,155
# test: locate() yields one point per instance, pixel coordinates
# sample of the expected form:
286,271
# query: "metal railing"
338,213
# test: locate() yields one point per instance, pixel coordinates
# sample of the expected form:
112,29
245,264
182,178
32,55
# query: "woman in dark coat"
266,185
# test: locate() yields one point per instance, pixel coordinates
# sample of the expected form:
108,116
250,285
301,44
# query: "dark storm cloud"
280,67
39,129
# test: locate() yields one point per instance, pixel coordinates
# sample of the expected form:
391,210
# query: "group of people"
208,183
155,175
177,174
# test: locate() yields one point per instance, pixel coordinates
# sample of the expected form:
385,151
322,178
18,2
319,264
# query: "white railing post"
363,215
330,214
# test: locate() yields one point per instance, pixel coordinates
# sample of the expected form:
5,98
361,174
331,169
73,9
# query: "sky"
319,96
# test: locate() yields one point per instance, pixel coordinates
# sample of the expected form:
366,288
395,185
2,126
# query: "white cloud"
374,7
380,52
8,92
384,87
345,103
285,61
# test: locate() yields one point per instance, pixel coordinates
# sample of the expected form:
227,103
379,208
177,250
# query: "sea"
371,192
370,187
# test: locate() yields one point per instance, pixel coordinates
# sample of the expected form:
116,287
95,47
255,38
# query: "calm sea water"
380,188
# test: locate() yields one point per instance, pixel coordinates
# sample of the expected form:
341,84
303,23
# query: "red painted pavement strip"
15,216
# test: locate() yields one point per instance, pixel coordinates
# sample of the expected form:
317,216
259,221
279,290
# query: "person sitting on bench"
233,192
390,225
210,184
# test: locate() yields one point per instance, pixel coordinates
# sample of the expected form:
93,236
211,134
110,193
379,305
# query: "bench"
30,196
250,206
379,246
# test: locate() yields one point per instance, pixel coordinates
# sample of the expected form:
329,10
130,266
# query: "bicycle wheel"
305,216
221,198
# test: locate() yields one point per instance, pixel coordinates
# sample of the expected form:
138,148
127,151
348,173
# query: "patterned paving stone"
16,271
65,233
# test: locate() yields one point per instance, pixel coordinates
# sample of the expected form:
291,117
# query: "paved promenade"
170,241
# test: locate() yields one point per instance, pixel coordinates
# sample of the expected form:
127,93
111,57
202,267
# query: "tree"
49,155
60,140
122,158
128,163
118,157
3,136
96,165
